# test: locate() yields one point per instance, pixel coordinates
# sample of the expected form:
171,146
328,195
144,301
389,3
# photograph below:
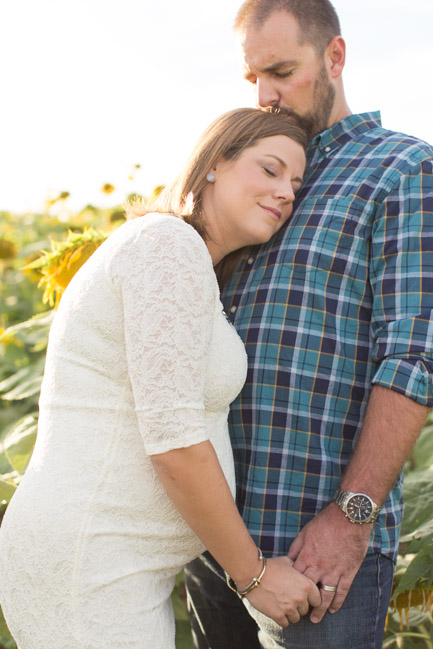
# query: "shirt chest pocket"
328,249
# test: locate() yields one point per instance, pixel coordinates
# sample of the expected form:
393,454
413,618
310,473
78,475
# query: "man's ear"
335,56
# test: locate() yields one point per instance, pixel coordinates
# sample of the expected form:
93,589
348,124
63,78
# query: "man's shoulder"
362,135
395,145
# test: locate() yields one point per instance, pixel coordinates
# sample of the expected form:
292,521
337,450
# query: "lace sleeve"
168,290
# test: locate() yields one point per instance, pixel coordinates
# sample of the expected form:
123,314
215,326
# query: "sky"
91,88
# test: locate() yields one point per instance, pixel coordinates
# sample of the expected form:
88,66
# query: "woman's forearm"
195,482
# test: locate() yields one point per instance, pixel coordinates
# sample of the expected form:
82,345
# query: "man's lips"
272,210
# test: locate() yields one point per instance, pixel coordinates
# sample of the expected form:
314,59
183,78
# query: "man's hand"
330,550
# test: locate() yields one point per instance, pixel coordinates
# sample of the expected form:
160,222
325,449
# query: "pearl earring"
210,177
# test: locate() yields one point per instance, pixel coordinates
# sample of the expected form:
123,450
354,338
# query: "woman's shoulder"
155,225
163,238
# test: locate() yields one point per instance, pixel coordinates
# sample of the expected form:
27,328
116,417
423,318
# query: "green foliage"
422,456
410,620
183,629
419,503
19,442
7,489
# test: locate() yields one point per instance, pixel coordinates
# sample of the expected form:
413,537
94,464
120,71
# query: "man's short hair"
317,19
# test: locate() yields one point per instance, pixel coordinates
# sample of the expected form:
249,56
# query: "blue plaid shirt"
339,300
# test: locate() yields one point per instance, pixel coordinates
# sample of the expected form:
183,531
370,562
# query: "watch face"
359,508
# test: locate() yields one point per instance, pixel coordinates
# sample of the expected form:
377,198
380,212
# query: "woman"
132,472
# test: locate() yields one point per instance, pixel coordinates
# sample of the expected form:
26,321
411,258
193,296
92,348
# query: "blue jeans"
220,620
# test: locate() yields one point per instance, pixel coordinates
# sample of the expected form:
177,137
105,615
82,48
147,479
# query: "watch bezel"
343,499
366,507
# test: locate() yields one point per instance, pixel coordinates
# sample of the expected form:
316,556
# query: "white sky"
89,88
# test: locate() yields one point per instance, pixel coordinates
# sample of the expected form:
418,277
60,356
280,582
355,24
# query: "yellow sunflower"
8,249
419,597
59,265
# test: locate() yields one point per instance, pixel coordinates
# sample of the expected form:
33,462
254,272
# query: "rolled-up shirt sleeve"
401,276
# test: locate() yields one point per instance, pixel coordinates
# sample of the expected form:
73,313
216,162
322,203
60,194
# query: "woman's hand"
194,480
284,594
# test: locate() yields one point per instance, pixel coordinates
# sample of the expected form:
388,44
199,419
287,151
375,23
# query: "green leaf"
5,466
7,490
18,444
424,532
178,599
418,495
410,640
422,454
24,383
183,635
420,543
416,619
389,641
420,568
183,627
32,331
4,631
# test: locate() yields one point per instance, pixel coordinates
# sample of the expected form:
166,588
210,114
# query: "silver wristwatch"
357,507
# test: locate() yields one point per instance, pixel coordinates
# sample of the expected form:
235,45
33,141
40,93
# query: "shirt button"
328,148
233,309
250,261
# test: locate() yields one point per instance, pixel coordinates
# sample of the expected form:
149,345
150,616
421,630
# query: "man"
336,315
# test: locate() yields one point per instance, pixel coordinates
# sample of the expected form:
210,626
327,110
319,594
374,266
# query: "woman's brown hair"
225,139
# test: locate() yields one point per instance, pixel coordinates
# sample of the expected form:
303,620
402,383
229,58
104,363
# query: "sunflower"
59,265
62,196
419,597
7,248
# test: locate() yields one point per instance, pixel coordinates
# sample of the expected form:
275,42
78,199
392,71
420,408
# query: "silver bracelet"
253,583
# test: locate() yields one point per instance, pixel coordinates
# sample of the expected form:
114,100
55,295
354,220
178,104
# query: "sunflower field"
39,254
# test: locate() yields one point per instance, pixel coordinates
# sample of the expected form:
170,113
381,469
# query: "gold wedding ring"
329,589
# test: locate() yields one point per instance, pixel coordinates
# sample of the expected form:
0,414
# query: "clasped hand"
284,593
330,550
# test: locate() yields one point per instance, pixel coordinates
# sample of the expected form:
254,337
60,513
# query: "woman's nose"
285,192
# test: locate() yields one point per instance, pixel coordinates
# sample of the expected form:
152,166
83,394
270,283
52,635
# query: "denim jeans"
220,620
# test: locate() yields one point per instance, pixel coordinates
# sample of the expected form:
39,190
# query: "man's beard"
316,120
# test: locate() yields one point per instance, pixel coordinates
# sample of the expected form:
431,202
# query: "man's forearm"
391,427
330,549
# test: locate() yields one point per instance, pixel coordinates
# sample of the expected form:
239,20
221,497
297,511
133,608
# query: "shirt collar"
343,131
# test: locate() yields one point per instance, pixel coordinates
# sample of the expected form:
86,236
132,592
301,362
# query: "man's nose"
266,94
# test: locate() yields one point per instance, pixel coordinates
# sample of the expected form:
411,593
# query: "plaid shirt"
339,300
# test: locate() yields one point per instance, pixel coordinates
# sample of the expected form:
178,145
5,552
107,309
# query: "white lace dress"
141,360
